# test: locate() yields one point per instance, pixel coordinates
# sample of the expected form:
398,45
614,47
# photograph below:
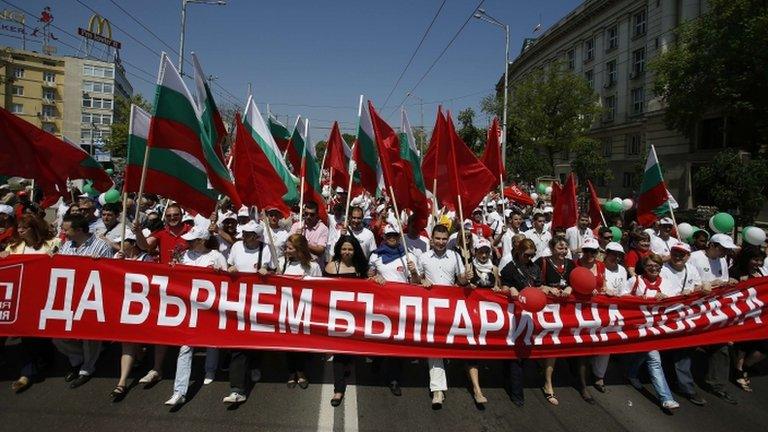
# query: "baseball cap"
195,233
614,247
340,189
390,229
723,240
548,209
243,212
682,247
477,210
590,243
85,196
467,224
5,208
187,218
491,203
228,215
666,221
480,243
253,227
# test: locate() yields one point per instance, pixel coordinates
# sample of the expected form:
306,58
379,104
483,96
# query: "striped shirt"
93,247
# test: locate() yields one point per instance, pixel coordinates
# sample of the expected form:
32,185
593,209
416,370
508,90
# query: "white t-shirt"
540,239
506,241
279,236
224,246
663,247
211,258
710,270
576,238
116,233
247,260
496,222
616,280
682,281
394,271
294,268
441,269
418,245
642,290
366,239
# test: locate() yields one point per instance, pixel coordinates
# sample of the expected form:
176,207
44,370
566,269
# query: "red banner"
84,298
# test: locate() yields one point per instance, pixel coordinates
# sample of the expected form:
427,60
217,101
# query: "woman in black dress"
348,262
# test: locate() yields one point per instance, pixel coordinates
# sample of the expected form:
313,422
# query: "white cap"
339,189
5,208
468,224
146,232
243,212
390,229
480,243
84,195
614,247
477,210
507,213
666,221
187,217
491,203
723,240
253,227
380,208
590,243
195,233
682,246
228,215
549,209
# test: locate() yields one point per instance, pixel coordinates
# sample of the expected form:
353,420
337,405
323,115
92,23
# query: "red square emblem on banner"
10,292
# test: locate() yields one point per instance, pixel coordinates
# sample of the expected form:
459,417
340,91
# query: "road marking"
350,408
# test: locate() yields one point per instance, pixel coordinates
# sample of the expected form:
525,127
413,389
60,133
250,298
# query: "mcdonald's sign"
99,30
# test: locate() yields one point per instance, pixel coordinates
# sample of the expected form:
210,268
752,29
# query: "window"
638,21
590,77
89,102
18,73
633,145
97,87
638,63
612,36
589,50
610,107
48,111
628,180
17,91
49,127
638,99
49,94
571,59
610,73
607,147
98,71
49,77
105,119
17,108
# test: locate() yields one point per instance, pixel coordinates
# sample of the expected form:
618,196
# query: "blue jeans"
652,360
184,367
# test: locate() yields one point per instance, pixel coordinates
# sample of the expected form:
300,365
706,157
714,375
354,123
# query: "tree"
552,110
733,183
473,137
525,165
117,141
719,64
589,163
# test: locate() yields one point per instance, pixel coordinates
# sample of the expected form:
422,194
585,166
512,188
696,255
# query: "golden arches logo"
98,24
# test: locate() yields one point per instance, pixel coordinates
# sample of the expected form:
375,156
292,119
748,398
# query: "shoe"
119,392
176,400
437,399
255,375
588,398
80,380
72,374
724,395
234,398
518,401
152,376
209,377
550,397
696,399
336,400
600,387
394,387
20,384
480,399
670,405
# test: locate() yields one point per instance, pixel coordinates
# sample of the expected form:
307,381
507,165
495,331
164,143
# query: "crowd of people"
499,247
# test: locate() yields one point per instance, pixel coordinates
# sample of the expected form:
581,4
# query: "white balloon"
102,198
753,235
548,190
685,230
534,196
627,204
618,200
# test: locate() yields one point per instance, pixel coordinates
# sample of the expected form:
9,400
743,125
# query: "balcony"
51,84
48,101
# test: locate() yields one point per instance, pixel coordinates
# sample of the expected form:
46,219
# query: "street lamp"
184,25
483,16
421,112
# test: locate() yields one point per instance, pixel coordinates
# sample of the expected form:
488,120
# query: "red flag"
434,158
517,195
256,181
398,175
492,153
595,212
564,202
337,159
30,152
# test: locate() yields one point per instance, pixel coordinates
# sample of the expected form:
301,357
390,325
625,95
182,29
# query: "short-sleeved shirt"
250,260
295,268
393,271
576,237
615,279
92,247
317,235
209,258
634,256
520,276
441,269
97,227
365,238
418,245
540,239
169,243
662,247
116,233
710,270
681,281
279,237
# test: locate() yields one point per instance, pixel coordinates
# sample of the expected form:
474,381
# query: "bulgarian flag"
409,152
170,173
293,153
654,200
309,167
213,124
365,154
177,125
280,134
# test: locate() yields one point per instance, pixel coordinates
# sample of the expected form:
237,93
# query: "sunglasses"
610,237
529,255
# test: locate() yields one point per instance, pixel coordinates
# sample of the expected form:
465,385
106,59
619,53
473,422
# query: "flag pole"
141,183
397,218
352,164
303,176
123,220
463,232
272,248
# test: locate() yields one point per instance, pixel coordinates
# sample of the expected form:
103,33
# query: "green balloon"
88,189
613,207
542,188
112,196
616,231
109,171
722,223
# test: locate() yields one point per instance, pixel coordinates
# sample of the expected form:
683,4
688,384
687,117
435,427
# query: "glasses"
173,215
652,267
589,251
529,255
309,214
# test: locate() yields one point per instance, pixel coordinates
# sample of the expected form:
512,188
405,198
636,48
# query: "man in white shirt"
440,266
363,235
251,254
539,236
576,235
278,233
416,243
662,244
514,226
494,218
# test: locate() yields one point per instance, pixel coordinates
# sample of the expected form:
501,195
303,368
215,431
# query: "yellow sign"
99,30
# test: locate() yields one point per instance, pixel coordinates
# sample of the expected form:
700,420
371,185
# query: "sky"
315,58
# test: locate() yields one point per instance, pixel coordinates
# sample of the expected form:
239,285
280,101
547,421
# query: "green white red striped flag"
213,124
654,199
365,154
280,134
409,152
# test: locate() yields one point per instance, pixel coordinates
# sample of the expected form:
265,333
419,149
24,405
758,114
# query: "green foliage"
117,141
719,63
524,164
589,163
552,110
733,183
473,137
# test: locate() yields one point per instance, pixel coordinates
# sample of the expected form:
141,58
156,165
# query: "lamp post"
184,25
483,16
421,113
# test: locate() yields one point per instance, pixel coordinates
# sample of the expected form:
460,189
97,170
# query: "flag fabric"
309,168
595,212
177,125
409,152
433,161
516,195
492,153
280,134
171,173
337,159
296,146
365,154
213,124
566,210
30,152
654,198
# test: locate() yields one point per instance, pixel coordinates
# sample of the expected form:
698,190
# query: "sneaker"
151,377
209,377
176,400
234,398
255,375
437,399
670,405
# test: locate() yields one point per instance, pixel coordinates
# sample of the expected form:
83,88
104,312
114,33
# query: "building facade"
610,43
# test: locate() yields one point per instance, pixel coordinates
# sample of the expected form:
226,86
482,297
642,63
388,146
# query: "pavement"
368,405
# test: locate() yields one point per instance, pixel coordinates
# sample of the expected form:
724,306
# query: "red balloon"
583,281
532,299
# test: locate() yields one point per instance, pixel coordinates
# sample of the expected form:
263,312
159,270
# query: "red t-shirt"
634,256
168,243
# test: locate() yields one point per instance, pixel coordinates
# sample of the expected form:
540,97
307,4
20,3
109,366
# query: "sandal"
303,383
292,382
550,397
600,387
336,400
743,381
480,399
118,392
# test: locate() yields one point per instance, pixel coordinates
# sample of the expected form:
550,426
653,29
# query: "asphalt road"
368,406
